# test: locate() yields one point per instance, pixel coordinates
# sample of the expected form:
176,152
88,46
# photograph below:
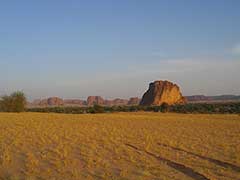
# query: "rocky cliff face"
160,92
91,100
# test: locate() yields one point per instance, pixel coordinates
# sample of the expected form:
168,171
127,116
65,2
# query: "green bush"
16,102
98,109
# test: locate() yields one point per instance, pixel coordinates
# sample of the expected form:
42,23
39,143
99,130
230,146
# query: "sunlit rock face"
160,92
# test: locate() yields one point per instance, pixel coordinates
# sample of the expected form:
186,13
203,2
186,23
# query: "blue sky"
74,48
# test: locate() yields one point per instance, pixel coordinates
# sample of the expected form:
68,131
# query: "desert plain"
140,145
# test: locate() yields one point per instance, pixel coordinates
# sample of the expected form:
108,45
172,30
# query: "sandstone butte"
160,92
91,100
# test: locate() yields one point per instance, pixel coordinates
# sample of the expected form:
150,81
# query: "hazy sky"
74,48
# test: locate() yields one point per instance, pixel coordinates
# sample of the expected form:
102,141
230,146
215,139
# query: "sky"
75,48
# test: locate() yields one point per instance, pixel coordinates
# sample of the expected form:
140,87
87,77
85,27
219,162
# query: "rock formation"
74,102
198,98
36,102
160,92
55,101
43,102
211,99
52,101
116,102
92,100
133,101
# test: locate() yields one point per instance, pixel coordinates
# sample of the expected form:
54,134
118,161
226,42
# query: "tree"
16,102
165,107
98,109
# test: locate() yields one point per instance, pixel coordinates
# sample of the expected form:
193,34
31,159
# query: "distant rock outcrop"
92,100
55,101
116,102
133,101
36,102
43,102
74,102
160,92
52,101
198,98
212,99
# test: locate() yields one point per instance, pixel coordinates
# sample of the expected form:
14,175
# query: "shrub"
98,109
165,107
16,102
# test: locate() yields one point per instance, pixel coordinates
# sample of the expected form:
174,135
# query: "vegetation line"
179,167
215,161
218,108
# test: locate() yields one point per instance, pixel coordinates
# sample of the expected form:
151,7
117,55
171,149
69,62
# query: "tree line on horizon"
202,108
